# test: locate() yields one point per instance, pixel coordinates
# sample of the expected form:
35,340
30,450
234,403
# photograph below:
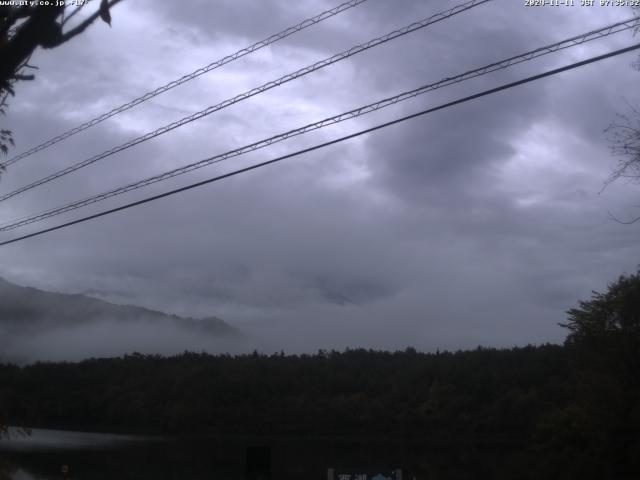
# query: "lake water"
42,454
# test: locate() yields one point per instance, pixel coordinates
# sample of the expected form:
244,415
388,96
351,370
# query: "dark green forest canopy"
356,391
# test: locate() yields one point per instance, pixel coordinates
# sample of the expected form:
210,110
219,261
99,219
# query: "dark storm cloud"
480,224
451,155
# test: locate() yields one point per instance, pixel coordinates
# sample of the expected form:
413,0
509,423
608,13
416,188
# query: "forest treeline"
574,408
352,392
535,399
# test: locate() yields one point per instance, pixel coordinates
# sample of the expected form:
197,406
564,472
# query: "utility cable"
190,76
331,142
527,56
255,91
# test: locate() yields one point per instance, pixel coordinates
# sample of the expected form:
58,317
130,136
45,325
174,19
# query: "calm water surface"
42,454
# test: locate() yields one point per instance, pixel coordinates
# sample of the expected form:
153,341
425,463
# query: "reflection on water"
41,454
40,439
98,456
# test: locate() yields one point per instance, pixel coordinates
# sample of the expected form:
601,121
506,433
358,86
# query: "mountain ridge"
24,308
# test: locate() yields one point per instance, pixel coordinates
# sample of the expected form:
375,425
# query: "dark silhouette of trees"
479,394
23,28
604,339
608,328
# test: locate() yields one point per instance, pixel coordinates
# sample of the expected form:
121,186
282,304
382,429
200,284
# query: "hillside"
28,313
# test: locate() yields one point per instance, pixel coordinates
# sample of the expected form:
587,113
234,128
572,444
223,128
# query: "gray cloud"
480,224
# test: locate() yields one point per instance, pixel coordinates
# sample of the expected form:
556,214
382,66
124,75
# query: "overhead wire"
188,77
362,110
255,91
331,142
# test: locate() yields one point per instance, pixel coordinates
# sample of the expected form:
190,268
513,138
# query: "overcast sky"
480,224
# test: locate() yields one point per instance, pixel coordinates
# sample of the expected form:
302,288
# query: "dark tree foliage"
604,336
23,28
480,393
608,328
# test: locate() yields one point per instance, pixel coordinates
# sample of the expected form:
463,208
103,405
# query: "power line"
255,91
331,142
190,76
527,56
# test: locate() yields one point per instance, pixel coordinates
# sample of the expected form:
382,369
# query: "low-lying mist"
109,338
